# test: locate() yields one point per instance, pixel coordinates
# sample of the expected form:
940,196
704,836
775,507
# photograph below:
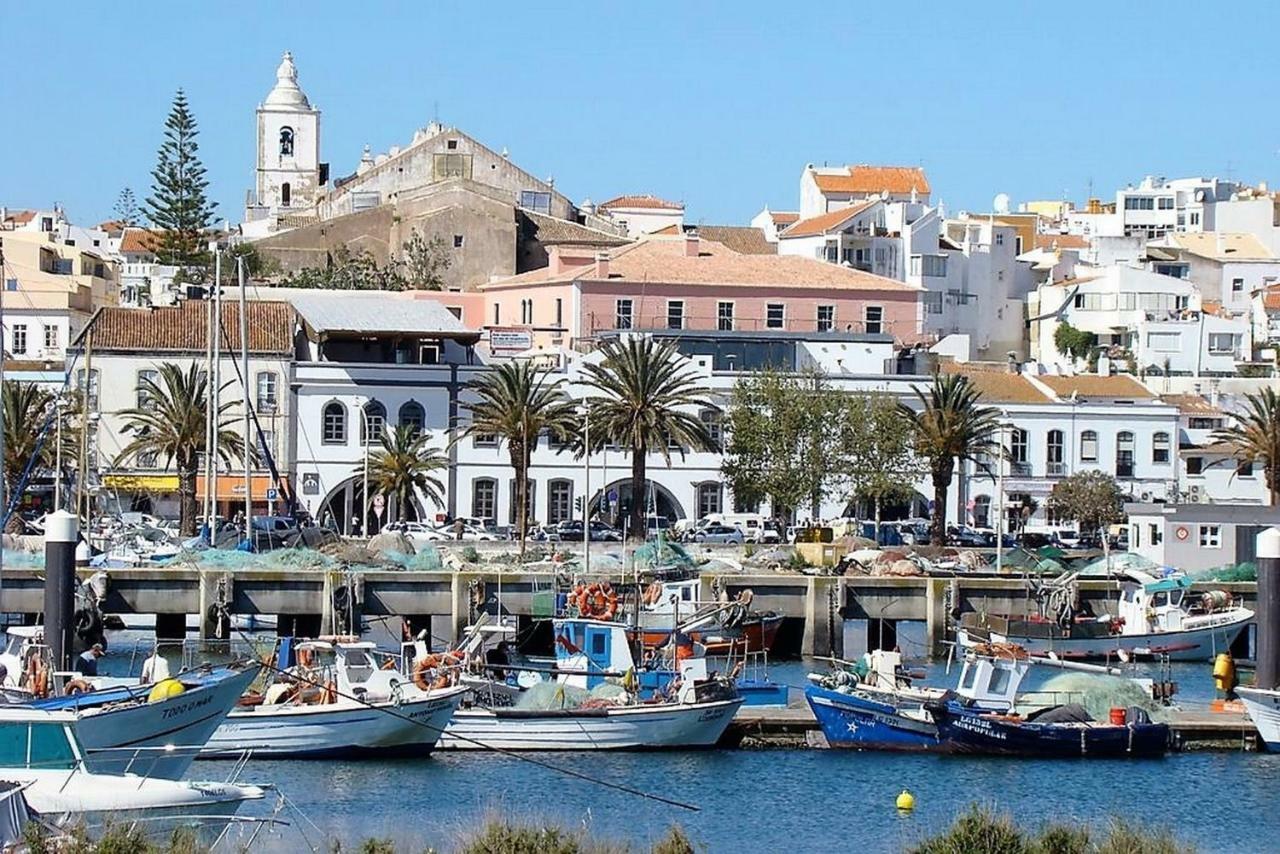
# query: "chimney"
602,265
1011,361
1213,393
692,244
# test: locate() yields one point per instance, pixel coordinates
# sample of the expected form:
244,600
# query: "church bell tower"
289,173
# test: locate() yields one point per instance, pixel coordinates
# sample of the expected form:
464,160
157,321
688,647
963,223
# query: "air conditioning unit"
1146,498
1196,494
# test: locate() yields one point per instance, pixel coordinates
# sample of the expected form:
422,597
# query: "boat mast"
211,407
215,392
244,382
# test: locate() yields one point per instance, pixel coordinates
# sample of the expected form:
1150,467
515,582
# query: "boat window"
1175,598
359,665
1160,599
686,593
13,744
597,643
999,681
966,680
50,747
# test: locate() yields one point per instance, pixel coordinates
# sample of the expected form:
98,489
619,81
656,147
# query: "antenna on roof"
435,111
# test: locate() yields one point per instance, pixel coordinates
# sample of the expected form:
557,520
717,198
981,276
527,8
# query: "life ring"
1181,532
389,664
653,593
597,601
305,657
432,671
77,686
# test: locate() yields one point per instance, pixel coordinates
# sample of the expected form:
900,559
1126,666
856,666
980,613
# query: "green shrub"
978,831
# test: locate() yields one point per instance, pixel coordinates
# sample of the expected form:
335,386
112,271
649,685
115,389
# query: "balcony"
1020,468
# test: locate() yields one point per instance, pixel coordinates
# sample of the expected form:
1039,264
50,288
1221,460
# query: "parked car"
570,530
418,532
770,533
914,533
721,534
963,535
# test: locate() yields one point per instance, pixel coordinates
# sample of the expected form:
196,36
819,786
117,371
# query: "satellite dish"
1000,204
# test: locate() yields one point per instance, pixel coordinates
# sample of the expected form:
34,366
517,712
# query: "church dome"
286,92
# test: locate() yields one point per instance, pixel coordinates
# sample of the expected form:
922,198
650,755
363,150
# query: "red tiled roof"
20,217
784,218
996,385
181,328
1061,241
640,201
137,240
1121,386
874,179
829,221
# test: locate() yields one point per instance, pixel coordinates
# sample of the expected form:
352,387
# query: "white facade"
644,216
287,176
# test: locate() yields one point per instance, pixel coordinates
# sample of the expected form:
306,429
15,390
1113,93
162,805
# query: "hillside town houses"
866,277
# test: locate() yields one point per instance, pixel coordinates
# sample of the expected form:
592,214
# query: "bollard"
60,538
1268,614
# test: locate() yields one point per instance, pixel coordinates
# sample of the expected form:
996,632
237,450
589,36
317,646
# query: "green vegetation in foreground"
980,830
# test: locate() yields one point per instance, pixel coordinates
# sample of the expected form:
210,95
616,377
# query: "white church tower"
289,172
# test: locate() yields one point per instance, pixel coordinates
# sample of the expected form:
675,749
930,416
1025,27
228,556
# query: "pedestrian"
154,669
88,660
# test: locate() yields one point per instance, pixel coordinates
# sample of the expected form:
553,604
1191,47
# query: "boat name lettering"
711,715
981,726
182,709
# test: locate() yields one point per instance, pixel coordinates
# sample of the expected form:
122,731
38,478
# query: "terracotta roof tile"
1223,246
137,240
1061,241
784,218
640,201
1117,386
997,386
549,230
874,179
20,217
829,221
1191,404
740,238
181,328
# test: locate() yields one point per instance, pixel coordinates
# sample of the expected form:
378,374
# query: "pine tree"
126,208
178,208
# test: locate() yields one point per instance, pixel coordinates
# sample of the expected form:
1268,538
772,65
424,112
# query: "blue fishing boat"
1058,731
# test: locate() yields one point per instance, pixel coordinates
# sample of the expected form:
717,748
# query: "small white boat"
595,656
1263,706
1155,616
311,712
39,751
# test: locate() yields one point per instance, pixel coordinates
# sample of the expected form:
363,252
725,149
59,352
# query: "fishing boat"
1263,707
1058,731
153,730
340,697
594,698
1156,615
722,625
40,752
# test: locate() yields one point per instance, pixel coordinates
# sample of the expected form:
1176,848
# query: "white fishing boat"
594,700
1155,616
1263,706
39,751
338,701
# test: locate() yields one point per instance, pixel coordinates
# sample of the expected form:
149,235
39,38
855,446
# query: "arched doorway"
613,503
342,507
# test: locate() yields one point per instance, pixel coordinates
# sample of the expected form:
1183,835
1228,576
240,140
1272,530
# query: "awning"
230,487
141,482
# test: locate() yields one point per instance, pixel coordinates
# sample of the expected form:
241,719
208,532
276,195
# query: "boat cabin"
42,741
992,682
352,667
588,652
1148,603
676,598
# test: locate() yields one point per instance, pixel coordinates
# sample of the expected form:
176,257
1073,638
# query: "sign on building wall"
311,483
510,340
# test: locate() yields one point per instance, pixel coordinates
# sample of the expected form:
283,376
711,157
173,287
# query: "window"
826,318
724,316
1139,203
145,377
536,200
1202,423
1244,468
710,499
458,240
934,266
455,310
1195,465
675,314
1054,453
1210,536
334,428
559,312
286,142
484,498
874,316
1018,451
1165,203
19,338
1160,448
452,165
526,311
373,423
91,393
268,393
497,314
1237,286
1089,446
413,416
429,353
1164,342
1124,454
622,314
484,440
559,501
266,445
775,316
1155,534
286,194
451,144
1222,342
1195,217
932,302
51,337
999,238
713,421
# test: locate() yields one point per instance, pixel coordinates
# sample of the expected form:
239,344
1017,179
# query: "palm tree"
517,404
645,395
950,425
25,414
405,467
172,427
1255,437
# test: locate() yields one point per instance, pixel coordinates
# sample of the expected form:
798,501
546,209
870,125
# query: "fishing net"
1020,560
1230,572
662,553
1097,692
549,696
1119,562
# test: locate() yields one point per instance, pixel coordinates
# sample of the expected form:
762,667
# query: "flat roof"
1238,514
356,313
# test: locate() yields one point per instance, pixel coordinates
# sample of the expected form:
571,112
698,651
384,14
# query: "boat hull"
132,738
754,635
1200,644
643,727
1263,707
967,731
411,728
859,723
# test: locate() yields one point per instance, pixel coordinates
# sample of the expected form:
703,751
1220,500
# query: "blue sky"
719,105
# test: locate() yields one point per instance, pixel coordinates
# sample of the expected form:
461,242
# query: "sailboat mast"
211,408
244,382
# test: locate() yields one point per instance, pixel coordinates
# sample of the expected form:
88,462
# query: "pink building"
688,283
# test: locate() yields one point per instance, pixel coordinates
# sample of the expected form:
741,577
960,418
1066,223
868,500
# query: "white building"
289,175
144,281
772,223
639,215
1226,267
1207,469
824,188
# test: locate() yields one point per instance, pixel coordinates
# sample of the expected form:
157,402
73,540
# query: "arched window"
334,428
373,423
1089,446
285,194
1124,454
413,416
710,499
1160,448
559,501
1054,454
286,142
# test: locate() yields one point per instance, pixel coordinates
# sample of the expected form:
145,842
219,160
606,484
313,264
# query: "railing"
657,321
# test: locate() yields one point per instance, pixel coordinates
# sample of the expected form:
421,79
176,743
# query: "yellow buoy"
906,800
165,689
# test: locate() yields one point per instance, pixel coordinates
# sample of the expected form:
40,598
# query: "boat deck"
1193,729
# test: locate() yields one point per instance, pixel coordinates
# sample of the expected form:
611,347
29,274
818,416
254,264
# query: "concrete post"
327,624
819,628
1268,613
935,605
60,537
215,590
460,610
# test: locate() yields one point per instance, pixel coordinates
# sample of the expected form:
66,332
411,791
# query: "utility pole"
82,494
244,381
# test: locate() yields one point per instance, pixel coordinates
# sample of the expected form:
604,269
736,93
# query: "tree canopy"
1091,498
178,208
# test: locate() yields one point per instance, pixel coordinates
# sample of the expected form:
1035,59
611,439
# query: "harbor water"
753,800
